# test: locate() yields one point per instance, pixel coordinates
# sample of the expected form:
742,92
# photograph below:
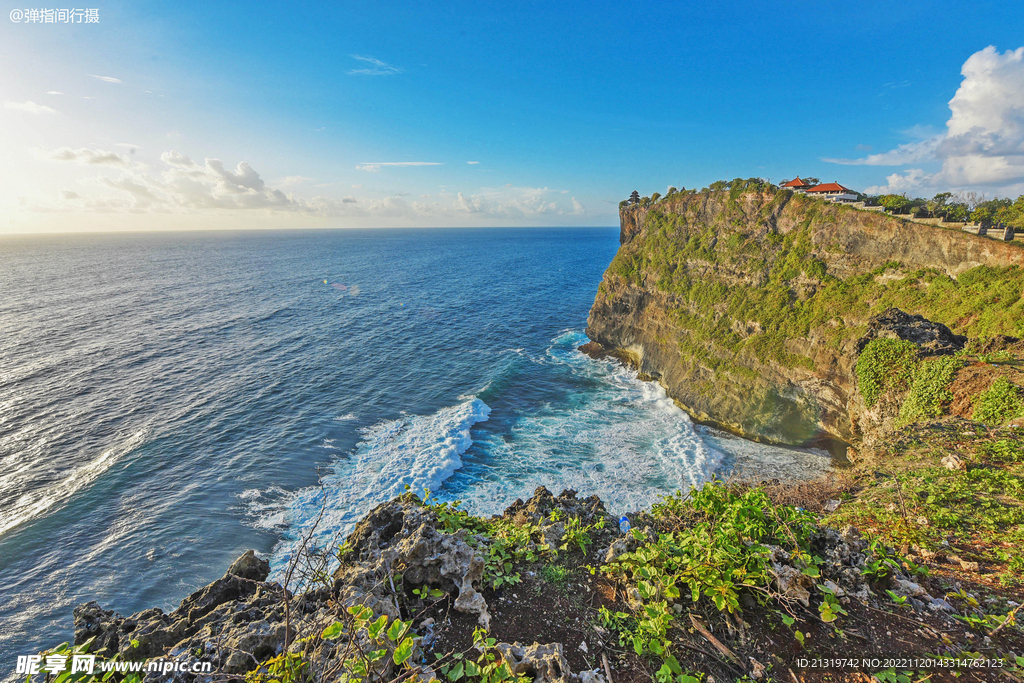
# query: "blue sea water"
168,401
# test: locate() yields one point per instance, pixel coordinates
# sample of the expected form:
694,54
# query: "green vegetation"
555,574
1000,403
693,245
915,501
959,207
885,365
713,543
505,543
930,391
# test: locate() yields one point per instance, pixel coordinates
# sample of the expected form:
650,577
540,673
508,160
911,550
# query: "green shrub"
554,574
1001,402
885,365
712,543
930,390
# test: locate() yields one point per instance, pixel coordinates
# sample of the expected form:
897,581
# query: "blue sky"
368,114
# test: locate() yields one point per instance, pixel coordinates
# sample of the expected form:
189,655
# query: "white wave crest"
418,451
39,501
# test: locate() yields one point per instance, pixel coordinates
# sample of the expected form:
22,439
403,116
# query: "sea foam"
415,451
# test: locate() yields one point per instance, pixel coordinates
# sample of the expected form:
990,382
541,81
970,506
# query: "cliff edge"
747,304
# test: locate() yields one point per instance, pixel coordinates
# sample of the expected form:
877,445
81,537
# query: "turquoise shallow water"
170,400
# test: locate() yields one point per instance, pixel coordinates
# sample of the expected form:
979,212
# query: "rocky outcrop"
406,534
240,623
241,620
748,307
932,339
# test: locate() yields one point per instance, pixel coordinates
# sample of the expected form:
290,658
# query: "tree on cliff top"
634,198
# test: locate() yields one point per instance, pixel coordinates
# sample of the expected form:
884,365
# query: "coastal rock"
229,621
792,583
593,349
229,587
538,509
953,462
248,566
934,339
402,533
542,663
92,621
239,622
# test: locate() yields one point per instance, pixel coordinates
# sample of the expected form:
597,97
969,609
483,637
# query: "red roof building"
795,184
830,188
833,192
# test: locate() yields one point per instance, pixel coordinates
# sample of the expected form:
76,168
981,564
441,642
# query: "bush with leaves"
885,365
1000,403
713,542
930,391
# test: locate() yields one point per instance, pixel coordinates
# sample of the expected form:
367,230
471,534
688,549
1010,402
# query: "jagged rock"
593,349
851,536
403,533
617,548
248,566
551,534
934,339
592,676
953,462
537,510
92,621
542,663
258,641
154,632
792,583
909,588
225,589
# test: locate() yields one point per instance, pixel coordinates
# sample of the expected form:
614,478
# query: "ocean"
169,400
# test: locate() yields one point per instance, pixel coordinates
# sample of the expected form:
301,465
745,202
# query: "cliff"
747,304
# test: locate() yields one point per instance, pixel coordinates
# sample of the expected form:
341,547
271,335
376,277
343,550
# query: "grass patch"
555,574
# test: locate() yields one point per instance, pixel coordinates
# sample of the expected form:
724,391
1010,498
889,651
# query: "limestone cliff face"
747,305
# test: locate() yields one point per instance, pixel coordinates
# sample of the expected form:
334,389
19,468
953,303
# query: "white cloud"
909,153
29,106
374,166
181,185
376,68
472,162
107,79
126,145
983,144
290,180
90,157
54,92
898,184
